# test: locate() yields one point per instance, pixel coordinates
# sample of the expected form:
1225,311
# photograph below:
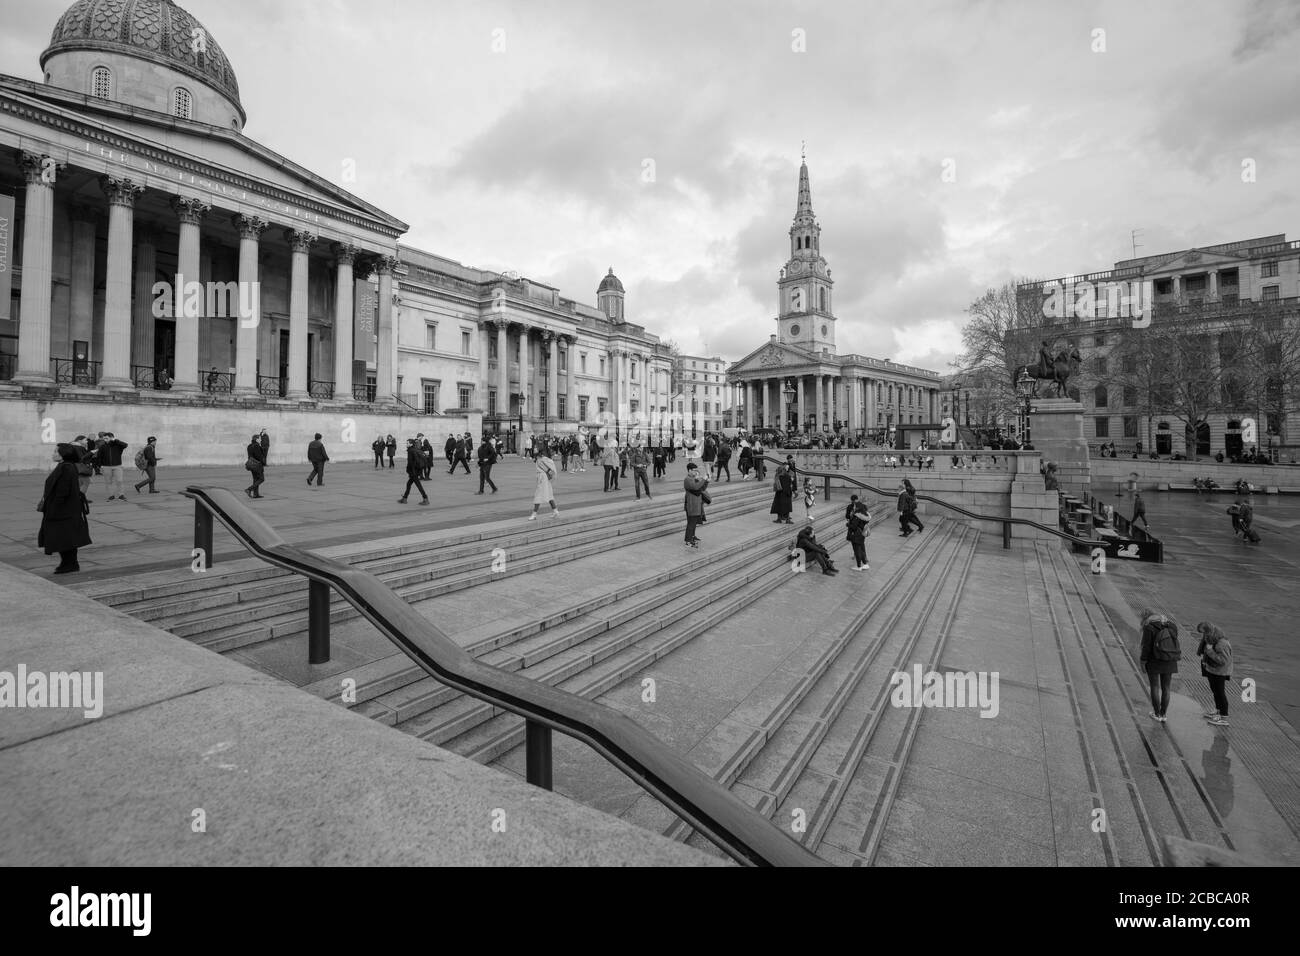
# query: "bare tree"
1005,326
1269,370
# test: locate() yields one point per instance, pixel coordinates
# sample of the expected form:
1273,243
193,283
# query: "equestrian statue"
1056,369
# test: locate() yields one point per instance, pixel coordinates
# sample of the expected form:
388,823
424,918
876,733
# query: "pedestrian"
1159,658
809,497
722,461
807,542
63,510
390,445
852,507
564,454
544,493
1139,511
449,449
710,452
760,466
639,478
265,440
609,458
377,446
622,461
783,495
317,456
426,452
907,510
487,457
85,461
1216,666
697,496
858,531
414,469
461,452
1246,517
660,461
256,465
110,462
149,458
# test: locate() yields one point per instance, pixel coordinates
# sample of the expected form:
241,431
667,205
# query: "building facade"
702,402
798,382
1210,293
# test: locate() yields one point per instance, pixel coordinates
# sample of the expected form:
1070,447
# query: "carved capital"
386,265
120,190
547,336
345,254
189,211
363,266
501,324
40,169
299,240
250,227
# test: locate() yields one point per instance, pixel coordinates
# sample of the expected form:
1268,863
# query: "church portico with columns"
797,382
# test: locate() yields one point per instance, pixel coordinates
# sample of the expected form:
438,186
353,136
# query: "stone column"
484,372
300,242
803,411
571,386
121,193
749,406
82,278
188,269
40,173
345,254
142,300
523,370
553,374
250,304
386,355
503,368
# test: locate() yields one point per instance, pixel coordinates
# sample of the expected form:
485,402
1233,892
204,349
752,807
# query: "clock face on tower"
794,330
823,330
796,266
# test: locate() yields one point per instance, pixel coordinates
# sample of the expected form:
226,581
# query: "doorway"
284,360
164,346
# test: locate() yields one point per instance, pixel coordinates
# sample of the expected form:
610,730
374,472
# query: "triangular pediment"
772,357
1194,260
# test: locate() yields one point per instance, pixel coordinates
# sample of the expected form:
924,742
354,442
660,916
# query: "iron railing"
142,376
75,371
272,386
215,381
322,391
8,365
363,393
743,833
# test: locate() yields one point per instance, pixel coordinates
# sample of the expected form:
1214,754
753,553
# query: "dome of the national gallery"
115,35
610,283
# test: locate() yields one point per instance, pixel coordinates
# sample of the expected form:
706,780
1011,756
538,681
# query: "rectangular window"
1130,364
1269,293
464,391
582,407
431,335
492,402
1103,426
1130,395
561,406
1099,339
564,364
464,342
633,405
541,404
430,390
1268,270
634,371
600,406
1102,366
1130,426
583,357
602,366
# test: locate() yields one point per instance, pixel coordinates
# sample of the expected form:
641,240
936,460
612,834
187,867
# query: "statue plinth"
1056,427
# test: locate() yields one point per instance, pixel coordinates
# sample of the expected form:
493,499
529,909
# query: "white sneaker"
533,516
555,512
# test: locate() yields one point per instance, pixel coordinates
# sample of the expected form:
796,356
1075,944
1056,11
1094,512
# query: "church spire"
804,213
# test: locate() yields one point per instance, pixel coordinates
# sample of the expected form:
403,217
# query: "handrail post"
318,622
203,532
827,496
537,754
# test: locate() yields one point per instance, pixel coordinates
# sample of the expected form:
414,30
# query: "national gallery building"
161,271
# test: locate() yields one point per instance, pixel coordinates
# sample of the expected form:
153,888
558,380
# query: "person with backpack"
63,510
1216,667
146,459
760,466
414,469
745,460
1159,657
544,493
317,455
110,462
1234,512
722,461
858,532
256,465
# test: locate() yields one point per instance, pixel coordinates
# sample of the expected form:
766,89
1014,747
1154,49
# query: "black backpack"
1164,643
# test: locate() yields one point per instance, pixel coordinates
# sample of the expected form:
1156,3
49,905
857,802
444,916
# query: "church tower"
805,318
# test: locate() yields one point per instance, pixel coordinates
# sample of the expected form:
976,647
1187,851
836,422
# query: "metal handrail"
743,833
1007,522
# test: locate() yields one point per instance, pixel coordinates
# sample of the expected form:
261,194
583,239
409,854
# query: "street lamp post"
522,398
789,392
693,411
1024,386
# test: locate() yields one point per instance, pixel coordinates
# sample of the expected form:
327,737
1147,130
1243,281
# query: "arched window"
823,299
101,83
182,103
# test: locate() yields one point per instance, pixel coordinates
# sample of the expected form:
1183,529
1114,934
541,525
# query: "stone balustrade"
888,464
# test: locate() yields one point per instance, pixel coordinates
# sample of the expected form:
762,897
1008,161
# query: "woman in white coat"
544,493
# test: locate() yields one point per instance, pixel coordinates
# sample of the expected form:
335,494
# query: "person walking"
807,542
622,461
760,466
564,454
696,487
783,495
1159,658
660,461
390,445
1139,511
150,459
1246,518
449,449
63,510
907,510
639,478
256,464
609,458
858,531
745,460
426,453
544,493
460,454
110,462
487,457
722,461
414,469
1216,666
377,446
317,456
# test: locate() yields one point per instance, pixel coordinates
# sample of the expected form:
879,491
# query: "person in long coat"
257,458
64,528
783,500
696,487
544,494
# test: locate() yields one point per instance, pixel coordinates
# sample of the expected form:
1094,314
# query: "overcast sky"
516,136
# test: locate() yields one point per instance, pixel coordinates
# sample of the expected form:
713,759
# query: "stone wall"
1108,472
207,431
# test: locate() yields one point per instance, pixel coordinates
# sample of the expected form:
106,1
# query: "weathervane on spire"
803,150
